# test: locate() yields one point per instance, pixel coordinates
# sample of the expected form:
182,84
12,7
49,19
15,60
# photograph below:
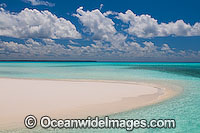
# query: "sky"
101,30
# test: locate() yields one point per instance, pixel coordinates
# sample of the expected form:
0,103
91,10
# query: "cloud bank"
48,48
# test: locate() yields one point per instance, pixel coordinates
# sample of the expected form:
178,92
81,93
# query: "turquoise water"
184,108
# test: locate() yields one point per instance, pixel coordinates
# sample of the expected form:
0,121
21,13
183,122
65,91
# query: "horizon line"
97,61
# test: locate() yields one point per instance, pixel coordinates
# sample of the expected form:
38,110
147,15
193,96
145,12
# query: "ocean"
184,108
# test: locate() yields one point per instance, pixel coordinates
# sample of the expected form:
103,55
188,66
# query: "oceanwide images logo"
129,124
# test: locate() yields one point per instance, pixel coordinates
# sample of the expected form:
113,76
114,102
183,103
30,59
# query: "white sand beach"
72,98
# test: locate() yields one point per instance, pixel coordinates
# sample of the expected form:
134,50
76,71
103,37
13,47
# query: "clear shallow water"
184,108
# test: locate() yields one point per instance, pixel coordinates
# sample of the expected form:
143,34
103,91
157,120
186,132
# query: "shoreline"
73,98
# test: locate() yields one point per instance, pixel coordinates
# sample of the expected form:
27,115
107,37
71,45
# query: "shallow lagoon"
184,108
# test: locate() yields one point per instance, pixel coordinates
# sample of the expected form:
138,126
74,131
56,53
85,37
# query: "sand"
71,98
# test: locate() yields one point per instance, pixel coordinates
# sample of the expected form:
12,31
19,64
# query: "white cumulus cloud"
145,26
36,24
96,23
101,27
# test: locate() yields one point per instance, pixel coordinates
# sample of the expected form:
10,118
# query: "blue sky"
128,30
